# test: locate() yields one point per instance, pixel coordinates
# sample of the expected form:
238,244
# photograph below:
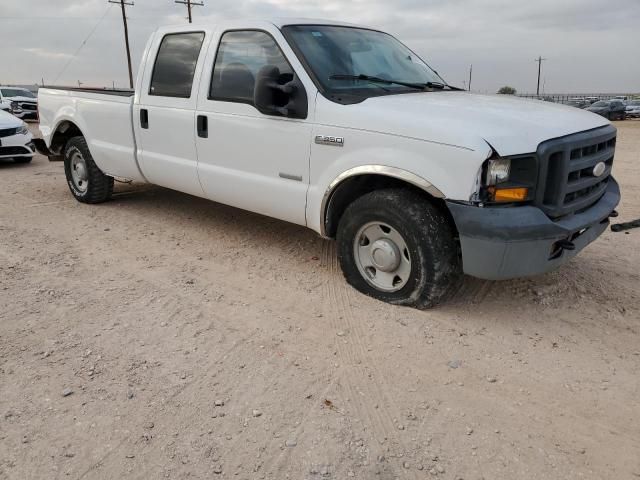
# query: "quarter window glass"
176,65
240,57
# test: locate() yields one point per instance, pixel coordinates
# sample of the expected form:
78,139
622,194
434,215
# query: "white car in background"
5,106
16,141
25,103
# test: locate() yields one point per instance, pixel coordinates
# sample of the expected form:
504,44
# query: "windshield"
600,104
337,56
17,92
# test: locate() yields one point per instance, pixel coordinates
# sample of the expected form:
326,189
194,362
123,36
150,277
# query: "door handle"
203,126
144,118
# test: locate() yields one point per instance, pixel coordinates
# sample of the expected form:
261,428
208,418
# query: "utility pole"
122,4
189,4
539,60
470,74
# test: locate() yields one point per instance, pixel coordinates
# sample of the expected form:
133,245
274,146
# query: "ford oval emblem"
599,169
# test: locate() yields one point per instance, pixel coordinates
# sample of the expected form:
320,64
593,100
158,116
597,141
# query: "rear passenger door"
164,115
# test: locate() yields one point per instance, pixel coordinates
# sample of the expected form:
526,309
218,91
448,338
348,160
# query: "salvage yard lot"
164,336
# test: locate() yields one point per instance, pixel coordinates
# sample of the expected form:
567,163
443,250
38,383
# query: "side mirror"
272,97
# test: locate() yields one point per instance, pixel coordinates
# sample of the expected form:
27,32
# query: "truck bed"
105,119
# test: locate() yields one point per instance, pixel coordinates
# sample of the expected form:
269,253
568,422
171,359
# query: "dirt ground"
164,336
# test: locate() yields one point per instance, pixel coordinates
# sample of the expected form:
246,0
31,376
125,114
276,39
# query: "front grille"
32,107
566,175
8,132
14,151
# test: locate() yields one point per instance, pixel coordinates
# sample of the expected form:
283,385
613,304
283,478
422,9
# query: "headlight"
498,171
509,180
22,130
15,106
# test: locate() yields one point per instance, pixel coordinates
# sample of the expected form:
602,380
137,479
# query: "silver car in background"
633,109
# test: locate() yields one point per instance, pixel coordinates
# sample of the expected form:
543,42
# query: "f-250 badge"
331,141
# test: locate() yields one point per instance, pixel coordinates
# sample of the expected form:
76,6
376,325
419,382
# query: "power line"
123,3
189,4
84,42
539,60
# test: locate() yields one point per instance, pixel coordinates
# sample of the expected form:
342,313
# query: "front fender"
444,171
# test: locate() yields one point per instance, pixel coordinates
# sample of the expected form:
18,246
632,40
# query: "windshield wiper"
370,78
417,86
375,80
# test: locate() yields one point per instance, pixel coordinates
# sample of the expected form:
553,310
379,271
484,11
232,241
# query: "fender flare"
60,121
383,170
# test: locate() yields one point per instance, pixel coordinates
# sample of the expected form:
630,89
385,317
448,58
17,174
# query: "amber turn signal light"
509,194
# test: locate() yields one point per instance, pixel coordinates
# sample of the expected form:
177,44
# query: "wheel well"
64,132
355,187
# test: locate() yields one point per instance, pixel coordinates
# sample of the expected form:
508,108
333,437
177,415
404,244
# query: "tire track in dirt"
361,383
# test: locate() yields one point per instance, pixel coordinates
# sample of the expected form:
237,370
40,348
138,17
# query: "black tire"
99,187
22,159
430,237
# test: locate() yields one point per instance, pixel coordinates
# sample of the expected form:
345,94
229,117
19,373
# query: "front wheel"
397,246
86,181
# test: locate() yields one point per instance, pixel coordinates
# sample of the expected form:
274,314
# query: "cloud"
590,44
48,54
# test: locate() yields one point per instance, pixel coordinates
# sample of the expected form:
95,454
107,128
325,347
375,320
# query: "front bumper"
500,243
17,146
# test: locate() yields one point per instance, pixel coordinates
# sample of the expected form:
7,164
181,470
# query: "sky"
590,46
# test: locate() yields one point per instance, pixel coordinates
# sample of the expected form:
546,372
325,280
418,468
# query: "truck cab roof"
278,22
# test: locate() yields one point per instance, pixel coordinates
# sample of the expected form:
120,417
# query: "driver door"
248,159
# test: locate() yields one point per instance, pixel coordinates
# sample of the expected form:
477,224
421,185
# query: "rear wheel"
396,246
86,181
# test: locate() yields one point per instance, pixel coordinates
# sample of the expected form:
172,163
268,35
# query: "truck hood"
9,121
23,99
511,125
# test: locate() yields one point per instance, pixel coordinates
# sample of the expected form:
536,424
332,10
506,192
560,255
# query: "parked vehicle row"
610,109
16,141
21,102
616,108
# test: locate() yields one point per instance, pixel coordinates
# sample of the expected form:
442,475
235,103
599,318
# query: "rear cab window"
175,65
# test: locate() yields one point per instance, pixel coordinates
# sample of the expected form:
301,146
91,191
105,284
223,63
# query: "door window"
241,55
176,65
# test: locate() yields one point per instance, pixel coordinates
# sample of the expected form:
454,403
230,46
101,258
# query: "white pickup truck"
345,130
